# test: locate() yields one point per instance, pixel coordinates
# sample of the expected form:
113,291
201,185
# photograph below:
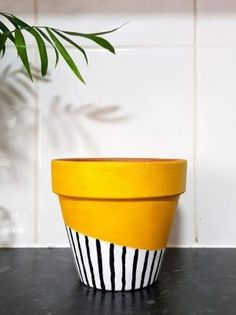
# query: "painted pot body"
118,214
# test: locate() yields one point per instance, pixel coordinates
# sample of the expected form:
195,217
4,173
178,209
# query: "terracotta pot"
118,214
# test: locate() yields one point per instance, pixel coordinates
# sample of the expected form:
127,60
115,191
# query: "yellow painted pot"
118,214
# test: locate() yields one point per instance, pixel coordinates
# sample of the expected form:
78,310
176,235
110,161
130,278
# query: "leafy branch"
51,36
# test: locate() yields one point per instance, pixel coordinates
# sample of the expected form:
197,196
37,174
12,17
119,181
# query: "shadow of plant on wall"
18,131
6,227
65,122
18,121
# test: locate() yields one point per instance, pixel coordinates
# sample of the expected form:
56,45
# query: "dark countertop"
44,281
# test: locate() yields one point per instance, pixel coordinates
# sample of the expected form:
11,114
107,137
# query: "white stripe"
85,257
76,251
118,267
72,250
78,255
163,252
139,270
93,255
155,266
105,246
149,264
129,267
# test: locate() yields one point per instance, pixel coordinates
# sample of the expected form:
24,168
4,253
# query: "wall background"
169,92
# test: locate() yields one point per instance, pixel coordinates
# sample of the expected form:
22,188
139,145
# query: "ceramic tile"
17,129
138,103
152,22
216,146
216,22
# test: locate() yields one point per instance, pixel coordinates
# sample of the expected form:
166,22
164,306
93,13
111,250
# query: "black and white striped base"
106,266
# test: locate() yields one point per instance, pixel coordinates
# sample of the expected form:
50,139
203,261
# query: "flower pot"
118,214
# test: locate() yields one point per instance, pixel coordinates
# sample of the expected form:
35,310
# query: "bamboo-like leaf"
3,51
12,19
72,43
102,42
21,49
42,51
7,32
98,40
52,37
65,54
50,42
108,32
41,46
3,39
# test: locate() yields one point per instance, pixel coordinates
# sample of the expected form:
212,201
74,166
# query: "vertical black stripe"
112,268
152,265
99,255
144,268
81,257
158,265
135,261
76,257
123,267
89,260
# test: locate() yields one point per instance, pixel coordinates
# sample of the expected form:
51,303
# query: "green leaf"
102,42
42,51
7,32
49,40
65,54
108,32
3,51
98,40
3,39
21,49
72,43
12,19
41,45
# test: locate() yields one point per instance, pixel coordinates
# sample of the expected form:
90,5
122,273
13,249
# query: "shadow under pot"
118,214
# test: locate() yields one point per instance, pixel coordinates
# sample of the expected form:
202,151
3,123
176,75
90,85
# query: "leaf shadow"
6,224
66,121
67,124
17,119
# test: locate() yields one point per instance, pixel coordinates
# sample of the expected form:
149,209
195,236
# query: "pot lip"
122,160
118,177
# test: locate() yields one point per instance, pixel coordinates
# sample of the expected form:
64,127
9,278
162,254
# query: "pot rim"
122,178
122,159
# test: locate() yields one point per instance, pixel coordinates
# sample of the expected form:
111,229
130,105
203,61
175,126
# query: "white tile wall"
216,23
216,185
169,91
17,154
162,22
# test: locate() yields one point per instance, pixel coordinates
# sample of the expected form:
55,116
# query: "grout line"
195,129
57,246
36,140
